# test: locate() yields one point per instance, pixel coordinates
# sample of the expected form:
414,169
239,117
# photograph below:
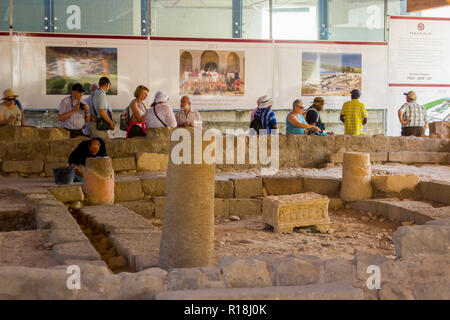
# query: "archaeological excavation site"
340,218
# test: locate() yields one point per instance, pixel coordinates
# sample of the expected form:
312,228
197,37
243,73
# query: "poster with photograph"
212,73
330,74
68,65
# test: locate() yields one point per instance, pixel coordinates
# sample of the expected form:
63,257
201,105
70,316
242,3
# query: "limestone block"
49,166
278,185
98,181
246,273
356,177
123,164
247,187
326,186
224,188
297,272
67,193
48,134
154,186
339,269
432,290
363,260
80,250
440,129
245,207
395,183
184,279
115,217
395,291
438,191
221,208
418,157
152,161
67,235
128,190
324,291
140,286
425,240
32,166
160,202
145,208
286,212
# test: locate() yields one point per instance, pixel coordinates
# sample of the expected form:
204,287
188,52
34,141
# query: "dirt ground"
26,249
348,233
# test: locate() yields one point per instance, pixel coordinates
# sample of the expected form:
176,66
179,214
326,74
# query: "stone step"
419,157
110,218
402,210
131,234
327,291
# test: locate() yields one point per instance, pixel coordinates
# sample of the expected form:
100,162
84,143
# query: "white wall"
275,69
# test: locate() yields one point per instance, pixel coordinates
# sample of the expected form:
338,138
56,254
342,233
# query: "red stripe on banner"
4,33
418,85
419,18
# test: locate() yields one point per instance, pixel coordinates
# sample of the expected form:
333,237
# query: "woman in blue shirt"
295,123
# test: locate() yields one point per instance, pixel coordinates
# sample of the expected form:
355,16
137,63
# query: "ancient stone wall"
31,150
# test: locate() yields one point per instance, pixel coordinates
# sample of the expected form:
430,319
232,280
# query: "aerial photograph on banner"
212,72
330,74
68,65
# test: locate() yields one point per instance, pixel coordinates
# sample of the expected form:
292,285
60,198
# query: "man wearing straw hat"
10,113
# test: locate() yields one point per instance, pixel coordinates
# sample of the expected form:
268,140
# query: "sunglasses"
11,99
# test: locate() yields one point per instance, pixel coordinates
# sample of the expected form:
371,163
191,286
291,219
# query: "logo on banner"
420,26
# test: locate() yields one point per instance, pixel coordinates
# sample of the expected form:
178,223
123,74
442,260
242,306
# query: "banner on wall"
68,65
419,60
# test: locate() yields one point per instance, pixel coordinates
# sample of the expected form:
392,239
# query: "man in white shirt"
73,112
187,116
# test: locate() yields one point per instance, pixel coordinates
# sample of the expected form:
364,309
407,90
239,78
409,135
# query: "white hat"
265,102
161,96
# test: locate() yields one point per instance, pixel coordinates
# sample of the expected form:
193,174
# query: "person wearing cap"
412,116
187,116
313,115
265,114
295,123
101,109
73,112
88,100
354,114
10,113
161,114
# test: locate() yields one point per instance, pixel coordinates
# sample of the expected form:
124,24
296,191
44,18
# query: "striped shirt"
77,120
267,118
414,113
354,112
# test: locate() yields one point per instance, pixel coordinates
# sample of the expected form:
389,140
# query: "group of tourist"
412,116
93,116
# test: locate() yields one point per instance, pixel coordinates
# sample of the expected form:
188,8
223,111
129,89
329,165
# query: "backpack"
256,123
125,119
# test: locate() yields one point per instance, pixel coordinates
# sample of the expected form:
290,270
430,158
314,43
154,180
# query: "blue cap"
355,92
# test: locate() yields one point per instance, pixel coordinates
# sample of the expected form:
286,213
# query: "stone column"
98,181
188,225
356,177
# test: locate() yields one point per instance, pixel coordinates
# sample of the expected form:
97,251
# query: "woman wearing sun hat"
10,114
